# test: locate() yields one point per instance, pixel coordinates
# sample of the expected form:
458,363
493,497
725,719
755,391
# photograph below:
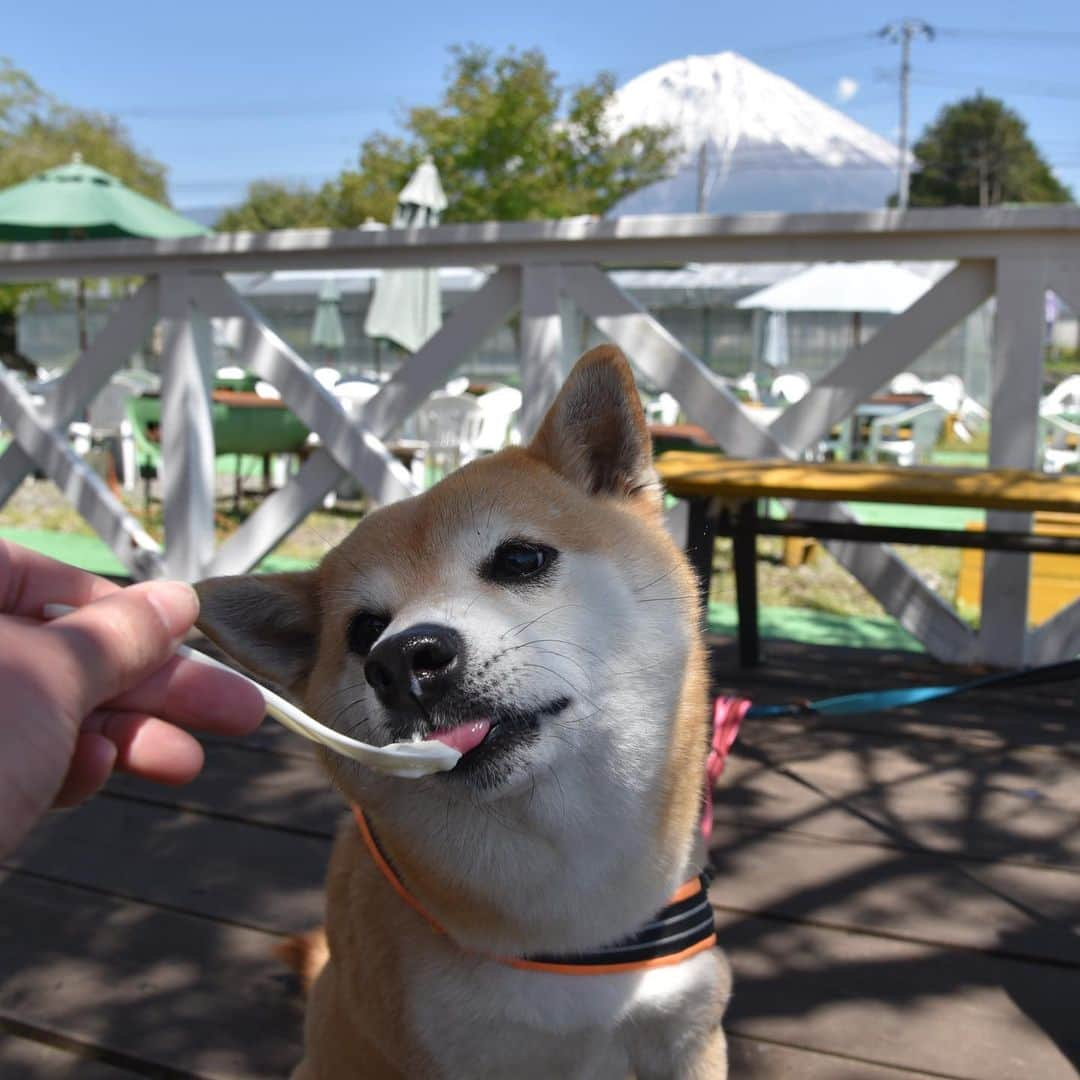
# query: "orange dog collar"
682,929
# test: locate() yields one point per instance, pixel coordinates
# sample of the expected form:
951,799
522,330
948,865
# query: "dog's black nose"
416,667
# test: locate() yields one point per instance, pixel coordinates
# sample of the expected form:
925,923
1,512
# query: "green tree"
510,145
978,153
271,205
37,132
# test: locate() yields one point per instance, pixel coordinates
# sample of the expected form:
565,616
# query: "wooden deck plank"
268,788
751,1059
157,987
1019,804
1033,913
237,873
941,1011
27,1059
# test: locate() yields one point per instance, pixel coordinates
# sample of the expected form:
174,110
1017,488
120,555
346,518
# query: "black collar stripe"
676,928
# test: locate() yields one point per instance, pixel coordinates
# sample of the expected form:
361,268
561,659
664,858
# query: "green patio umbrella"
79,202
327,331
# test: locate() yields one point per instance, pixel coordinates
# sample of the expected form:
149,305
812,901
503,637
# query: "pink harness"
728,713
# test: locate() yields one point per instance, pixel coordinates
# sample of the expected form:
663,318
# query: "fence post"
187,432
1015,388
541,344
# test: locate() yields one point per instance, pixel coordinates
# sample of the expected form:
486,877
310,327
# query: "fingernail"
176,602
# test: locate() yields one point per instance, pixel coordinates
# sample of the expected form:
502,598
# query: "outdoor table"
680,437
723,495
872,409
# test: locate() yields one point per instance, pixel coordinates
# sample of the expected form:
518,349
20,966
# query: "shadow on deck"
898,894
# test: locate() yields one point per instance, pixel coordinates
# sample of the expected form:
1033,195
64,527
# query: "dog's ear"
595,432
268,622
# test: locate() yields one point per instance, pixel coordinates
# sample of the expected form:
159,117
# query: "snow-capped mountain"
769,144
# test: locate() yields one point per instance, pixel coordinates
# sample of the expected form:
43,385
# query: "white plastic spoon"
408,760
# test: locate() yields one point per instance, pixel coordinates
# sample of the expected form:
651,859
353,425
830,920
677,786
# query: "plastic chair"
907,382
355,394
746,387
1064,398
790,387
449,427
108,424
266,391
663,410
497,411
327,377
887,438
1060,442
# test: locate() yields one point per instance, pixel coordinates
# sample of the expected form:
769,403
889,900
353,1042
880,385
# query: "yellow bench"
724,492
1055,579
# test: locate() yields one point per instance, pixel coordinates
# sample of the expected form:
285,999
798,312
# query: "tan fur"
585,486
305,955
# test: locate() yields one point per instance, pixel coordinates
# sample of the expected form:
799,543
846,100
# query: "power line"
904,32
1019,87
1013,37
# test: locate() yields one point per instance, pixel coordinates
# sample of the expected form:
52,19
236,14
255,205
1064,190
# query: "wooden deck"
899,896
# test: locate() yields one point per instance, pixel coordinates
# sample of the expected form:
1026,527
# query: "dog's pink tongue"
464,737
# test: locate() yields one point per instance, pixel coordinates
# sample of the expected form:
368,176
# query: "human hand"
99,689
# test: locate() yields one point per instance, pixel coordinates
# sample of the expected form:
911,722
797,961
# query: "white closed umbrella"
775,352
406,307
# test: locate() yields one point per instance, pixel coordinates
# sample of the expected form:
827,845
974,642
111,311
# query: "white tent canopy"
867,287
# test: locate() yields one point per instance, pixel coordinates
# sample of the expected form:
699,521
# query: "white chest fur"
536,1024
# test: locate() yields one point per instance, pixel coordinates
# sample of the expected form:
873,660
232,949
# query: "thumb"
112,644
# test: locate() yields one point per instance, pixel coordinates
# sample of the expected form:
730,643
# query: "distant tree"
509,143
272,205
370,192
978,153
37,132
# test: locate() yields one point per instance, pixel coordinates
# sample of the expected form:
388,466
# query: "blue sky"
230,91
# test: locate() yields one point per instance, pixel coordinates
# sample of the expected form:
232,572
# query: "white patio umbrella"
406,306
855,288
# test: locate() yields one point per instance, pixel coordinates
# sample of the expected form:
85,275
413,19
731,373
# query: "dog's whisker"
520,628
559,675
555,641
662,599
656,580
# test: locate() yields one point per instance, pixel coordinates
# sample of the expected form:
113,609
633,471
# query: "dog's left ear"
269,622
595,434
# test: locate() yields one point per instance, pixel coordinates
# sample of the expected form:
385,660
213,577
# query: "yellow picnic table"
724,492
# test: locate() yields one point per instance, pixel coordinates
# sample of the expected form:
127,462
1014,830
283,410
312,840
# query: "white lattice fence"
1013,255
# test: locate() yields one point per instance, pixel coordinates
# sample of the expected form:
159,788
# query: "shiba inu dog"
536,911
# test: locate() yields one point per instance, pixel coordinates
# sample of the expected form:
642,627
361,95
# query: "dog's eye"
518,560
364,631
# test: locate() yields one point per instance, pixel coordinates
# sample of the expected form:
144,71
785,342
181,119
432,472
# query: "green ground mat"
917,517
818,628
93,554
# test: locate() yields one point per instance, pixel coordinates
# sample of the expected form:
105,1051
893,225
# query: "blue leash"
878,700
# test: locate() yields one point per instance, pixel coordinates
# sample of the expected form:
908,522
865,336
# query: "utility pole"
702,176
903,32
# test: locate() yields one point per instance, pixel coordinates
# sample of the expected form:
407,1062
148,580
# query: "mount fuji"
769,145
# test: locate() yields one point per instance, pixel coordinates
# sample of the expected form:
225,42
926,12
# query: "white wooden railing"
1015,254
